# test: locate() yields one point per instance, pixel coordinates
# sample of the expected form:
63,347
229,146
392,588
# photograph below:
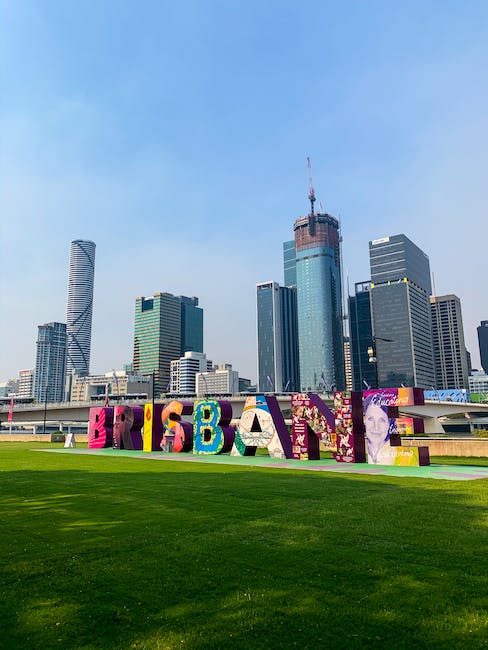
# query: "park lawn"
104,552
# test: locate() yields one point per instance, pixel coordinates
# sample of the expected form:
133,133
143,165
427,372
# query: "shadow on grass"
212,557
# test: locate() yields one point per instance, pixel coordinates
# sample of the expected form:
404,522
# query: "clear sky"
175,136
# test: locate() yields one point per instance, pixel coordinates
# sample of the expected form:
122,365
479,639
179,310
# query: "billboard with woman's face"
379,427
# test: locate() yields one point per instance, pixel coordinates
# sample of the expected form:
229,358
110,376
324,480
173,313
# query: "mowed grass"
103,552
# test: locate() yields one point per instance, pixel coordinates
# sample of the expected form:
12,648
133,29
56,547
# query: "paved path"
449,472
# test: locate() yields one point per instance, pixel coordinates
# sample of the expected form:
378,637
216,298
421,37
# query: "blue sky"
175,135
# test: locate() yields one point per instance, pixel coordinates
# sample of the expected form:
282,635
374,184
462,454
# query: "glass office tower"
361,337
166,327
319,302
191,325
277,338
401,315
270,377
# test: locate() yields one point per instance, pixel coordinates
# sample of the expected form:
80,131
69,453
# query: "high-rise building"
289,339
319,302
482,330
26,383
270,366
166,326
191,324
401,316
80,306
360,330
184,371
50,369
277,337
450,356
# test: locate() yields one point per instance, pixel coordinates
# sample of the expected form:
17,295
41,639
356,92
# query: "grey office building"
482,330
361,337
50,368
401,315
278,368
450,356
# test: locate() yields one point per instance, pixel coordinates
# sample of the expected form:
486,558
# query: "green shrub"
480,433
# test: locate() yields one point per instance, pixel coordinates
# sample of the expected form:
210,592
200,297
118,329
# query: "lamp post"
372,358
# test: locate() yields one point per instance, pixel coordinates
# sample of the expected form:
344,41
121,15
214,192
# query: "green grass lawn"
101,552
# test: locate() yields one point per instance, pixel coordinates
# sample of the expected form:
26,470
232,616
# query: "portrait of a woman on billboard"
378,429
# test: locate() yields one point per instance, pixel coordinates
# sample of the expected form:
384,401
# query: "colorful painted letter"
348,412
211,431
178,434
128,422
312,422
100,427
262,425
153,427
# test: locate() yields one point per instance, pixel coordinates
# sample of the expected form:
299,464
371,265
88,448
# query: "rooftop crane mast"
311,191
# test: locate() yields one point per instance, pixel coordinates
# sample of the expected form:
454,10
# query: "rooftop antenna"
311,191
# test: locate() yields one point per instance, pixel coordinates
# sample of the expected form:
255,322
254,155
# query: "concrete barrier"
477,447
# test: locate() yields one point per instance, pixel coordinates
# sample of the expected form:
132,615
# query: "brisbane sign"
363,427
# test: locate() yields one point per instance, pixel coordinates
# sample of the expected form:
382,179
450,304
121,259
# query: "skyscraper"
319,302
191,325
450,356
277,337
482,330
364,372
80,306
166,327
289,339
401,316
270,368
50,369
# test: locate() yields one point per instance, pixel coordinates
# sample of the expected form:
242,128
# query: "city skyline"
188,169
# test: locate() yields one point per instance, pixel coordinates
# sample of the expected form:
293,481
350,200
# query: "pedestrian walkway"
449,472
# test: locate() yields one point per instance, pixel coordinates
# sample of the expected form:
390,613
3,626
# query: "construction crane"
311,191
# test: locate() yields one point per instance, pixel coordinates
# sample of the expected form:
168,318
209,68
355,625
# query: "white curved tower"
80,305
